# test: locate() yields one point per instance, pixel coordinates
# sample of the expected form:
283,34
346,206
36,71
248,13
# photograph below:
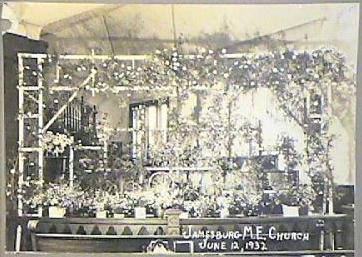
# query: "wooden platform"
331,234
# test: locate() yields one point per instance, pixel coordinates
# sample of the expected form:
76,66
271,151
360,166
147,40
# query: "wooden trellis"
35,93
37,97
23,117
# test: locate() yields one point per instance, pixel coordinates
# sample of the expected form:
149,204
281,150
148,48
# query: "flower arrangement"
62,195
55,144
101,200
35,194
123,205
31,192
246,203
287,73
168,199
195,208
301,196
243,200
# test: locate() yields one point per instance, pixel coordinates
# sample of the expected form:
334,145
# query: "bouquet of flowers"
166,197
55,144
302,196
63,195
34,194
237,204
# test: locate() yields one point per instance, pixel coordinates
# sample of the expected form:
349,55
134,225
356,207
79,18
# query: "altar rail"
332,234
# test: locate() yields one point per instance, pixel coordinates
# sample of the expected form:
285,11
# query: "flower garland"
206,68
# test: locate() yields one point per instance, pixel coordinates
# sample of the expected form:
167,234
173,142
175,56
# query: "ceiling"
80,27
29,18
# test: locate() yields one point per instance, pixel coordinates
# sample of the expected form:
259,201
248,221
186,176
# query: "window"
148,123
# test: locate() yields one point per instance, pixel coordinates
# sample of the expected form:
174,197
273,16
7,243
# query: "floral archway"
299,80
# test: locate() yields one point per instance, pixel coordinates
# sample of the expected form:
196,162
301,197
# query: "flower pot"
40,211
56,212
224,213
277,210
140,212
184,215
101,214
303,211
118,215
290,211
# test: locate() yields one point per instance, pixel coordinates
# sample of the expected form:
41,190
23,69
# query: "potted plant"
247,199
55,144
162,197
53,201
194,207
223,202
296,200
60,197
100,203
138,203
57,198
121,207
237,204
140,209
32,194
241,206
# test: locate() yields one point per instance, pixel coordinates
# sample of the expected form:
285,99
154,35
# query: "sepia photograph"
180,128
